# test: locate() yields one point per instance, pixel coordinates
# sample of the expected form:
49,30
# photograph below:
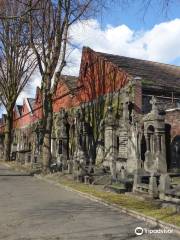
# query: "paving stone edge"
147,219
151,220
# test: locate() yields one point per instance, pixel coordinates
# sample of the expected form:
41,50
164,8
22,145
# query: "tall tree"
20,12
16,64
49,27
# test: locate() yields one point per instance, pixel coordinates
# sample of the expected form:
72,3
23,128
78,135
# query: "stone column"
110,141
64,134
125,111
133,160
112,165
147,136
70,166
52,146
161,153
137,180
164,185
100,146
153,189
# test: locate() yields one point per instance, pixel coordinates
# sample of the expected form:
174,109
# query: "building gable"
99,76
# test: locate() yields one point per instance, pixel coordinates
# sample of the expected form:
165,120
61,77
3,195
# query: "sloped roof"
70,81
19,108
31,102
152,73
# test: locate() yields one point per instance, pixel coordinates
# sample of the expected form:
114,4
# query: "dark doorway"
175,153
118,144
60,150
143,148
150,141
168,145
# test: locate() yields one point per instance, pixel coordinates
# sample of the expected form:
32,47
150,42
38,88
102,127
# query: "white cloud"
30,89
161,43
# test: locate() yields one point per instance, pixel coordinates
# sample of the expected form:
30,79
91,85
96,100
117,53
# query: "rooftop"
152,73
31,102
19,107
70,81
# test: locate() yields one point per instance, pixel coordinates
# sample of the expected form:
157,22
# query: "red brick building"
104,76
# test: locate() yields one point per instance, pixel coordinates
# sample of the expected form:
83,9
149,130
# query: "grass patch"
176,180
145,207
118,186
19,167
146,82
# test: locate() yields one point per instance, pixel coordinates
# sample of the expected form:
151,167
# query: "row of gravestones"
164,190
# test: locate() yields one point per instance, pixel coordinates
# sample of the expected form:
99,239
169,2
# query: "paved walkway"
31,209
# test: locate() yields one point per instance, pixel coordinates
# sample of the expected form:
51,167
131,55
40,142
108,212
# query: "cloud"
161,43
30,89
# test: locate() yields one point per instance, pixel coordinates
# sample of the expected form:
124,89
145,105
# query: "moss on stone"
147,82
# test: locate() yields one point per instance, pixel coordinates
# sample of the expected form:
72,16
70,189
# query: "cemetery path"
31,209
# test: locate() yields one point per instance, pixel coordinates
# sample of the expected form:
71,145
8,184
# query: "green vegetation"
147,207
118,185
176,180
147,82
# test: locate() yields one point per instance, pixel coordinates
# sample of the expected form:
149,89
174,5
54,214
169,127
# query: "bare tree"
20,12
16,66
164,6
49,29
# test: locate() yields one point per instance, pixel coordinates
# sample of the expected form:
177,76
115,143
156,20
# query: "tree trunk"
8,136
47,125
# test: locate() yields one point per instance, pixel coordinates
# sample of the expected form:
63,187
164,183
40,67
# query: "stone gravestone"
123,173
137,180
79,164
70,166
100,145
165,184
153,188
112,164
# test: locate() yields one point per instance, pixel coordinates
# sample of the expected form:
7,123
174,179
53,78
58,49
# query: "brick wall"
64,98
138,96
98,76
37,108
26,117
173,118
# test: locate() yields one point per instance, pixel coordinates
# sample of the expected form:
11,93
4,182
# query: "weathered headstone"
153,188
164,185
